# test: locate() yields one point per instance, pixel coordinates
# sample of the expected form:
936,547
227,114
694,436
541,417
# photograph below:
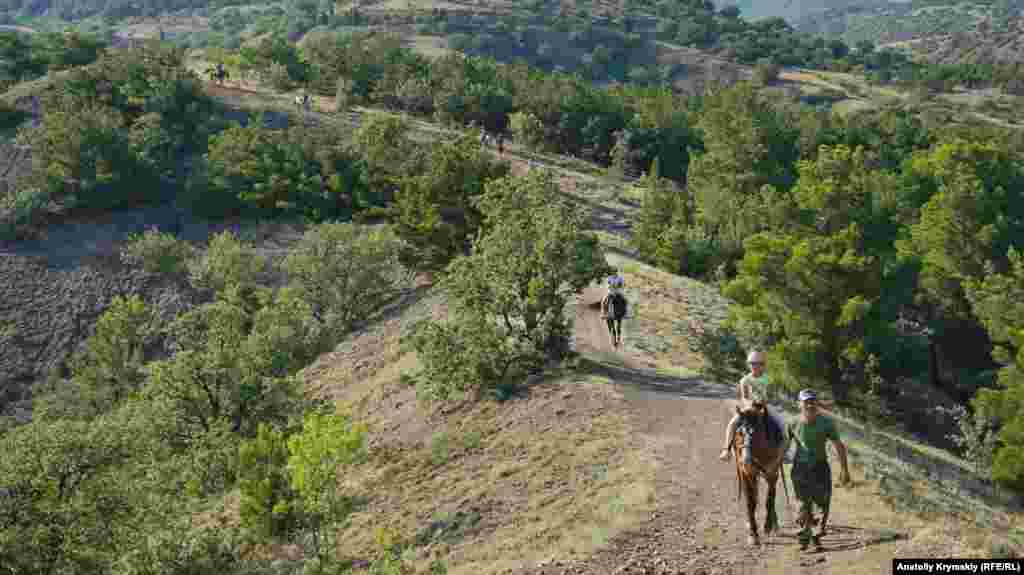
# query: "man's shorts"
812,482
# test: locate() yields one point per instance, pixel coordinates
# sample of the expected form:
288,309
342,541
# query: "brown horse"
757,455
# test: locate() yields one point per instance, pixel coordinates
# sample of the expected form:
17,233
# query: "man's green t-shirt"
810,438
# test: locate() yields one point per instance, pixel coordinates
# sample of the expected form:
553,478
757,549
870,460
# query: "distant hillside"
893,22
983,44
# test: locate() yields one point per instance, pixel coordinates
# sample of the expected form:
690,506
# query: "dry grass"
550,472
429,46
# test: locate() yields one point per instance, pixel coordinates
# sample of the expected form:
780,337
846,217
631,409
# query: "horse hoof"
752,540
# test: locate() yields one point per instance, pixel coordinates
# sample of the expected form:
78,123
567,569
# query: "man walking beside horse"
812,476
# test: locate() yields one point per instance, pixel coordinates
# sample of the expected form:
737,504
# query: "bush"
157,252
345,272
266,506
766,72
528,130
326,442
226,263
11,117
725,360
183,549
20,209
509,295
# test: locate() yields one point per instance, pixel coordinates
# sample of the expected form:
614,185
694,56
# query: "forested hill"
76,9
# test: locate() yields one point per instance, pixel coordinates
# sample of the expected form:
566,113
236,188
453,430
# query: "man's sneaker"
724,455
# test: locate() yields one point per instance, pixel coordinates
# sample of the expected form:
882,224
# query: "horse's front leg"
771,520
752,537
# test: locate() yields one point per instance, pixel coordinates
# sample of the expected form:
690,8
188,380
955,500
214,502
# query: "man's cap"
808,394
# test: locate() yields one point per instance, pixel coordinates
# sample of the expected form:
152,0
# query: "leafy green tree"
266,507
157,252
389,153
528,130
973,215
814,283
327,441
510,293
434,211
227,263
345,273
236,369
661,226
747,146
62,511
111,368
266,171
998,300
82,155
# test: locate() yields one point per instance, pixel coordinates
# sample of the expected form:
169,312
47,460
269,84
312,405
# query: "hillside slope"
611,467
982,44
607,468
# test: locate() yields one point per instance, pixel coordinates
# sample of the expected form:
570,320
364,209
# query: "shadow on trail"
651,381
837,538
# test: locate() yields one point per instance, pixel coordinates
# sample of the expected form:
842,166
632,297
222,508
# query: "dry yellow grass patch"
429,46
553,472
542,473
658,309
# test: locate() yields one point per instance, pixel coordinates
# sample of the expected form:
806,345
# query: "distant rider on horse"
753,388
613,307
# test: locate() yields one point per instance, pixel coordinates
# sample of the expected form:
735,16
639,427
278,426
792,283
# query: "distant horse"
757,455
613,308
303,102
218,74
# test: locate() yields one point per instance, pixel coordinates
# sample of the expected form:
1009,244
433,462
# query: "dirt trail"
698,526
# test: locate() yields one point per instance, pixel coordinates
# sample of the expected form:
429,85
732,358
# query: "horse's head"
755,409
751,418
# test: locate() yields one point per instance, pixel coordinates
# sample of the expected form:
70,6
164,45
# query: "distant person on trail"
811,474
501,143
753,388
614,307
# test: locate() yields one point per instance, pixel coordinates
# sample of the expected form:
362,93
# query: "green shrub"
439,449
157,252
345,272
11,117
326,442
725,359
508,296
266,507
471,440
182,549
226,263
21,208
